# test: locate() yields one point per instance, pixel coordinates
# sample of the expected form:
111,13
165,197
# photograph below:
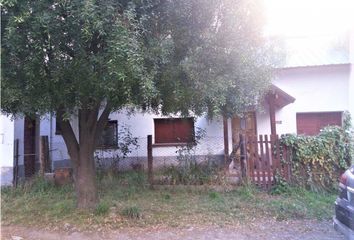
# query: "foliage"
132,212
174,56
281,186
73,58
102,208
221,63
70,54
173,206
126,144
192,174
318,161
190,169
214,195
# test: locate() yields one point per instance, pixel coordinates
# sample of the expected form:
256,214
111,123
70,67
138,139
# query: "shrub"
318,161
126,143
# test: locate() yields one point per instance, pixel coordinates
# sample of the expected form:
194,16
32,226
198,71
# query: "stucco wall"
6,149
316,89
351,81
140,125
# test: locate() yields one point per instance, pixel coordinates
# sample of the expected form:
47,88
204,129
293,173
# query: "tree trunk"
81,151
85,178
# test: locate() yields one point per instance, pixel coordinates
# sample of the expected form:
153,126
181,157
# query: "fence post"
226,143
243,156
15,169
150,159
44,155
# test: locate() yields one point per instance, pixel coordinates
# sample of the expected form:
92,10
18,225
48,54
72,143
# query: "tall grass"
125,200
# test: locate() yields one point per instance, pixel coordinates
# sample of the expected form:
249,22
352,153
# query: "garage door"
311,123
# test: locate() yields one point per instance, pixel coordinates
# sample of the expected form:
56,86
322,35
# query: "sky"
302,18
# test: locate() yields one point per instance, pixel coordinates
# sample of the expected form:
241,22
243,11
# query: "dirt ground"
304,230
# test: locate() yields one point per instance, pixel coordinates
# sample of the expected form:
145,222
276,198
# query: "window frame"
101,145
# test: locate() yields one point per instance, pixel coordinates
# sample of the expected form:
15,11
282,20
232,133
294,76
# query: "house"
311,91
6,149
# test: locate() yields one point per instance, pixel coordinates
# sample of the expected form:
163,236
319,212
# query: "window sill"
107,148
169,144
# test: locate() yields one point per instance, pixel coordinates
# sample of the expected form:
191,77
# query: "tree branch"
92,116
101,122
69,137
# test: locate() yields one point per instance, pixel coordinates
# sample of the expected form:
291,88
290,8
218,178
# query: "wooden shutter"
312,123
174,130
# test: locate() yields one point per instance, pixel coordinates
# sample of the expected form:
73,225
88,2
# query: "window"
312,123
109,138
174,130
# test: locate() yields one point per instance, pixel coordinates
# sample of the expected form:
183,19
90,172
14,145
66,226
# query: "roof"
316,51
281,97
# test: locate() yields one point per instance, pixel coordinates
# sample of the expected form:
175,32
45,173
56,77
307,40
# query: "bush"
318,161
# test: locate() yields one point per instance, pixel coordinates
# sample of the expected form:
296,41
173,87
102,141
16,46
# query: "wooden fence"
265,159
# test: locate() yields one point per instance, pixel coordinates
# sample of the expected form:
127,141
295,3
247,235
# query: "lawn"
127,201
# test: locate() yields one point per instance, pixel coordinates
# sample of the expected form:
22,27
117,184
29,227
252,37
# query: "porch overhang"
277,99
280,97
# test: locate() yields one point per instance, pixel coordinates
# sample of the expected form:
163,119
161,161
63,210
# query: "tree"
74,57
89,58
220,62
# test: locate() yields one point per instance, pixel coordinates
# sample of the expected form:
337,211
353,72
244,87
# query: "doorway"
29,146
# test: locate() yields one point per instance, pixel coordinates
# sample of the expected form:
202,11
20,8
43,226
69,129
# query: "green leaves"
318,160
170,56
67,54
220,62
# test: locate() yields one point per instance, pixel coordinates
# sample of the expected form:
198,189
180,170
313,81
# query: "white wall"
19,134
6,149
316,89
351,81
140,125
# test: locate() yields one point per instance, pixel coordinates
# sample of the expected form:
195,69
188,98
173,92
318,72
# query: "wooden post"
271,99
268,161
150,160
226,142
15,170
44,155
243,156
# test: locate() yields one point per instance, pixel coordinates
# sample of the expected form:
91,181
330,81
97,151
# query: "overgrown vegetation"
126,201
111,159
318,161
192,169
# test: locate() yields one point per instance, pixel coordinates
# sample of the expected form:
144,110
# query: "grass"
125,201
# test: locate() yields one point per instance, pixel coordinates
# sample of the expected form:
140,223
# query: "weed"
247,191
214,195
167,196
102,208
39,204
132,212
280,187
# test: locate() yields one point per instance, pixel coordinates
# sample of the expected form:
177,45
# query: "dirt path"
302,230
